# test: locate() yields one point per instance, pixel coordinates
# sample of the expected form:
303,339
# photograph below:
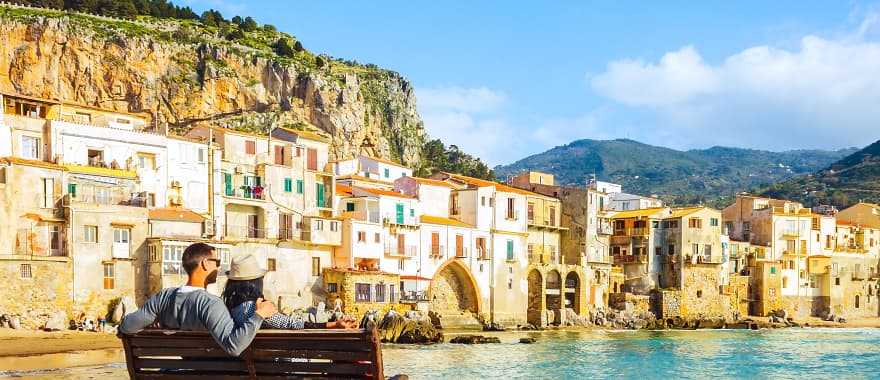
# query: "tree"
237,20
235,34
249,25
283,47
212,18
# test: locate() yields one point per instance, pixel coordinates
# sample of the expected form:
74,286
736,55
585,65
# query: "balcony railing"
249,192
632,231
413,296
405,251
598,258
702,259
629,259
437,251
604,229
461,252
290,234
106,199
237,231
482,254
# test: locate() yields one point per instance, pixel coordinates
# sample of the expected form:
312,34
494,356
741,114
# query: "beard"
212,278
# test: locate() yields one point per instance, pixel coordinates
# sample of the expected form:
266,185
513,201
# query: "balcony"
702,259
604,229
514,215
437,251
105,200
791,234
461,253
630,259
249,192
290,234
397,251
245,232
598,258
392,220
482,253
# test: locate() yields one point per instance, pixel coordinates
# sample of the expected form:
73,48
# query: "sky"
507,79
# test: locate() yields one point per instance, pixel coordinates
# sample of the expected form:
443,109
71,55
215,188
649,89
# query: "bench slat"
336,356
347,369
206,365
204,352
310,345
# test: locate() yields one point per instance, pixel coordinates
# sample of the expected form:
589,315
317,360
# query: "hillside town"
97,206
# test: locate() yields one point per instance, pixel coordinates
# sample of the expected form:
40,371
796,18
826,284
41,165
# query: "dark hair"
194,254
238,292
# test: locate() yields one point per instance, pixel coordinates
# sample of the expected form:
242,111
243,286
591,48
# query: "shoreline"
25,343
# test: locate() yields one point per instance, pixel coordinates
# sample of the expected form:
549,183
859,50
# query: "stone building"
635,234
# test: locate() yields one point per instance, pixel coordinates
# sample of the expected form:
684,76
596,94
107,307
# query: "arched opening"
554,295
857,301
453,295
535,307
573,292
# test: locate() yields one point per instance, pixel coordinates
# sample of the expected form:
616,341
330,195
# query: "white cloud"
480,99
824,93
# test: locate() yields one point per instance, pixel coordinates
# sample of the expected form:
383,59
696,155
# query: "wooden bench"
274,354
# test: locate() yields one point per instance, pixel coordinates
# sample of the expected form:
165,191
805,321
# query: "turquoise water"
721,354
802,354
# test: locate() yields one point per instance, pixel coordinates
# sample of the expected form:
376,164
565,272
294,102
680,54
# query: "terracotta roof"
27,162
684,211
176,214
343,190
242,133
384,192
637,213
498,186
362,178
412,277
193,140
430,219
308,135
384,161
433,182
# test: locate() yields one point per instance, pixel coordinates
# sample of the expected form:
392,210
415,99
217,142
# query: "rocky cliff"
183,73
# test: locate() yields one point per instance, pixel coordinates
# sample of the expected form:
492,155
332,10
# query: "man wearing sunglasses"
191,307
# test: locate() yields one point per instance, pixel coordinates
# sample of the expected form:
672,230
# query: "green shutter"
288,185
349,206
412,212
319,190
71,189
257,181
227,180
299,186
387,173
510,249
399,213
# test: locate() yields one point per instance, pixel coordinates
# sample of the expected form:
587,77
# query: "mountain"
681,177
186,70
852,179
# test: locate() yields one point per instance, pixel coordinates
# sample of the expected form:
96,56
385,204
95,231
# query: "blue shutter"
319,189
400,213
510,249
299,186
288,185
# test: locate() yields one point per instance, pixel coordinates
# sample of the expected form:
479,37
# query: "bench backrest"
279,354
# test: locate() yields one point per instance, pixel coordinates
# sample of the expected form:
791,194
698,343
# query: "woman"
245,286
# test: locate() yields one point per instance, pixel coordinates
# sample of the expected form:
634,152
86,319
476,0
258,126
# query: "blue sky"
507,79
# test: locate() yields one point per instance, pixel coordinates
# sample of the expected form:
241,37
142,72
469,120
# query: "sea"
807,353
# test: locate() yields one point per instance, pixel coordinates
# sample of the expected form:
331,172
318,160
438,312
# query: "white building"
188,174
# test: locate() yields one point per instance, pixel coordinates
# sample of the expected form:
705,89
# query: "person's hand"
265,308
347,324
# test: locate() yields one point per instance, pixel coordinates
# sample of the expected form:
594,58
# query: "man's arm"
234,339
143,317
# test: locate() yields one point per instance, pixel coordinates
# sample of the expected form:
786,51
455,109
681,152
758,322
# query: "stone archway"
553,292
573,292
453,294
535,306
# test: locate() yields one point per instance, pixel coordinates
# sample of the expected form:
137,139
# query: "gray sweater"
196,310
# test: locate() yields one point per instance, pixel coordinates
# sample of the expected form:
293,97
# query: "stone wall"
35,299
738,292
667,303
345,290
701,296
804,306
845,305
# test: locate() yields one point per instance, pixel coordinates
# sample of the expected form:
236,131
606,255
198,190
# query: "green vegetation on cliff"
852,179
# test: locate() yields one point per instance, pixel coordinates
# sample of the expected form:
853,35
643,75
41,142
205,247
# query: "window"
713,222
121,235
671,249
109,276
658,251
707,250
362,292
615,250
790,264
2,175
96,157
362,236
380,292
387,173
202,154
227,182
511,214
530,212
435,243
288,185
349,206
90,234
509,249
171,260
376,237
695,249
695,223
699,294
332,287
316,266
146,161
412,213
30,147
482,201
334,226
399,211
24,271
48,200
619,225
270,265
71,189
250,147
319,195
401,265
773,269
225,259
299,186
319,225
837,281
784,282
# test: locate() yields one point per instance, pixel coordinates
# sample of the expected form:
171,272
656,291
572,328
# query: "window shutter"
399,213
319,189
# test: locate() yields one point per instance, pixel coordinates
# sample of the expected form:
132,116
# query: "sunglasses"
216,261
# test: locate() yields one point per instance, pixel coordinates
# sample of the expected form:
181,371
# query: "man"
191,307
